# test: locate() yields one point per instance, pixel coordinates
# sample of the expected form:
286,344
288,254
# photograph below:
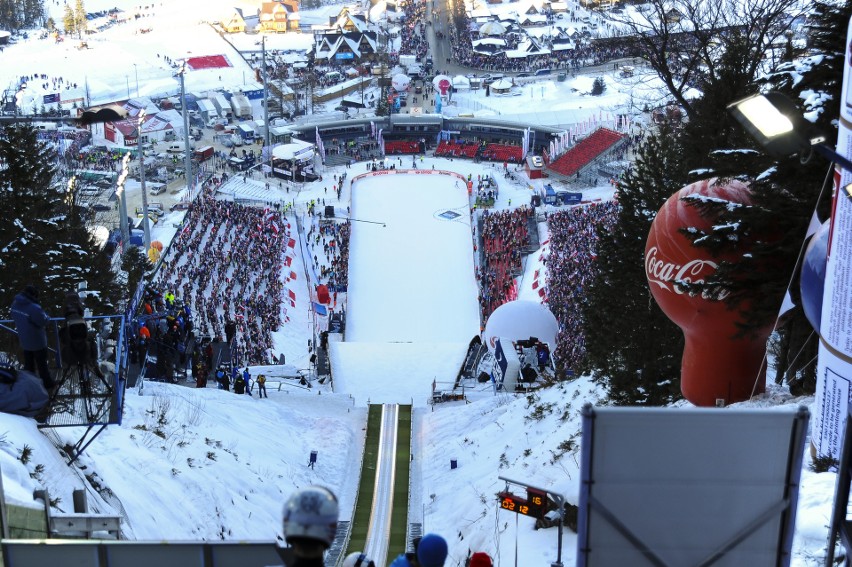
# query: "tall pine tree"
69,22
80,22
631,346
45,241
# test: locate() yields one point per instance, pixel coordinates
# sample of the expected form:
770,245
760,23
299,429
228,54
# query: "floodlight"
779,127
771,122
762,115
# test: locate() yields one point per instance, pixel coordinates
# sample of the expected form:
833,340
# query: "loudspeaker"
329,211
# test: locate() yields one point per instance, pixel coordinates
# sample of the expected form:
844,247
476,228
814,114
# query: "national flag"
292,294
291,243
292,275
320,309
813,226
288,260
787,304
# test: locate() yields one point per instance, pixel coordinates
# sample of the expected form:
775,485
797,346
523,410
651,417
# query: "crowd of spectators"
165,331
504,236
226,263
586,50
333,237
412,34
570,268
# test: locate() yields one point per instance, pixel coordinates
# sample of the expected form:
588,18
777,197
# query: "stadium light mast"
122,203
145,220
187,158
266,137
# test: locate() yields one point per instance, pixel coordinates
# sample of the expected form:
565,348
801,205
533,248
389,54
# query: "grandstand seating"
456,149
502,152
586,151
401,147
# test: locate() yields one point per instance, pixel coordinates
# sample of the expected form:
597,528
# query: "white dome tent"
400,82
460,82
519,320
491,28
501,86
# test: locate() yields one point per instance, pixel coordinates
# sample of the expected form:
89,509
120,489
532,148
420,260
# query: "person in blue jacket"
22,393
247,378
30,321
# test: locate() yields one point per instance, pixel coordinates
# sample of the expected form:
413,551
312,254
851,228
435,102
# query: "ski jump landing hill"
412,300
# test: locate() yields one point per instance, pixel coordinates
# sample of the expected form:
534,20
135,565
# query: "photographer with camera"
77,347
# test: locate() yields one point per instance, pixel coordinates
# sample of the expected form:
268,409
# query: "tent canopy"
491,28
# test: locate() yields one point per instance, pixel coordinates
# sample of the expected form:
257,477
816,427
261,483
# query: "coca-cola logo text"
667,274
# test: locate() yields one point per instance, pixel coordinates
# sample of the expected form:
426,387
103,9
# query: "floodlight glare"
775,122
765,117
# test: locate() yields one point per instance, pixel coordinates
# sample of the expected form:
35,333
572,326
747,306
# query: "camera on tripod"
76,346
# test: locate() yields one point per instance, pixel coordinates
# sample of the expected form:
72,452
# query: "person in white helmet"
358,559
310,523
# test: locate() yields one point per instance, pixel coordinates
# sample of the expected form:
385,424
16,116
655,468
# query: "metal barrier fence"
87,394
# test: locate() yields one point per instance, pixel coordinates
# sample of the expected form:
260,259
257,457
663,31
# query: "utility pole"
145,220
266,137
187,156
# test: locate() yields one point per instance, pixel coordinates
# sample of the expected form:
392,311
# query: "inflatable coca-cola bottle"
718,367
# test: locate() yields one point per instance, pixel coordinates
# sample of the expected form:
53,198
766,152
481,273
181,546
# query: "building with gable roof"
348,37
235,22
279,16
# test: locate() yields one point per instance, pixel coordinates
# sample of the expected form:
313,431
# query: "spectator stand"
505,236
570,267
505,153
403,147
599,144
456,149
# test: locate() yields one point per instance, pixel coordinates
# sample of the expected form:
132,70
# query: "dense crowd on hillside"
584,52
333,238
570,268
226,264
504,236
412,33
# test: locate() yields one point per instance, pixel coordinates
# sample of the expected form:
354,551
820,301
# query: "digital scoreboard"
535,504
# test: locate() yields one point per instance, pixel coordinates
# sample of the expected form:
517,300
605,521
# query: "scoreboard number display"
535,504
